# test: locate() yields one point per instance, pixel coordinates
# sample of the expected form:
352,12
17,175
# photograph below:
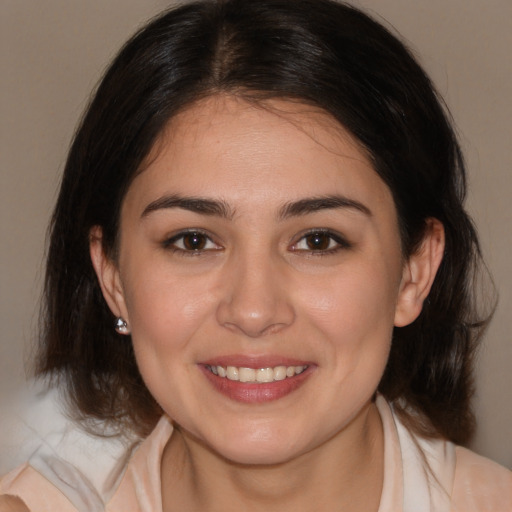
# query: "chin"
259,446
258,455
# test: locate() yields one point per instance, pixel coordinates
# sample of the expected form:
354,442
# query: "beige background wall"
52,53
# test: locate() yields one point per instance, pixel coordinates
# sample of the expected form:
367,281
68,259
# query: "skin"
261,287
10,503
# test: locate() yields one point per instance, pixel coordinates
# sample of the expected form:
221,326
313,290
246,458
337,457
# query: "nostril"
254,331
253,299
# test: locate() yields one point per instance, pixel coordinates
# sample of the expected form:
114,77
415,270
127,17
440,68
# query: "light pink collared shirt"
419,476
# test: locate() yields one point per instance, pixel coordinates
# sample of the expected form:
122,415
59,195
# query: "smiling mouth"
256,375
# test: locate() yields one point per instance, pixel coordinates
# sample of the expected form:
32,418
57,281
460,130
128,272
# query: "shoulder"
438,475
10,503
480,484
25,489
51,482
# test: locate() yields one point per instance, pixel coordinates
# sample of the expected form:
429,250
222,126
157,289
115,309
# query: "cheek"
354,312
165,315
164,311
354,303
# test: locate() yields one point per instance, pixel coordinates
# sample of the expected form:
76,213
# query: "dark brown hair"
318,52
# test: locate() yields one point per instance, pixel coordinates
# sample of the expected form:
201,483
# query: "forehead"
241,151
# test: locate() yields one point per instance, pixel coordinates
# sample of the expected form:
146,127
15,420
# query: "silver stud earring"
122,326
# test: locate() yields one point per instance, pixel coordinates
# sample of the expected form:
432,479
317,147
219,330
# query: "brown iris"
318,241
194,241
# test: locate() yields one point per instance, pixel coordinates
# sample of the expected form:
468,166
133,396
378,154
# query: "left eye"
319,241
192,241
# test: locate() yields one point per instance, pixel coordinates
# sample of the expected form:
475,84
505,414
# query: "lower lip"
252,393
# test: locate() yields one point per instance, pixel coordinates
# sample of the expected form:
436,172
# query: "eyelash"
171,243
340,243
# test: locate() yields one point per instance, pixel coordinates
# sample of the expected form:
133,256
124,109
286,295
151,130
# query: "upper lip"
253,361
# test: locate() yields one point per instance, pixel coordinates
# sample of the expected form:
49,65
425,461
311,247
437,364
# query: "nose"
255,298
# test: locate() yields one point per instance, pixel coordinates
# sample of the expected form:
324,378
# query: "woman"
261,265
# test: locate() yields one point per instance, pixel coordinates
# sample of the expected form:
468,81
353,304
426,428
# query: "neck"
345,473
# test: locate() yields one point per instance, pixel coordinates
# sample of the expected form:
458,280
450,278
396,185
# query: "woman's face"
258,244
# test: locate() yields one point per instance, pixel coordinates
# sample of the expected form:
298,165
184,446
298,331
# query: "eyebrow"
219,208
194,204
314,204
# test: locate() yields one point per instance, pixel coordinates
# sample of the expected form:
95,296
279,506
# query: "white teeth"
280,373
265,375
246,375
232,373
262,375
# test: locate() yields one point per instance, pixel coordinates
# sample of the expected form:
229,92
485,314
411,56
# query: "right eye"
192,242
320,242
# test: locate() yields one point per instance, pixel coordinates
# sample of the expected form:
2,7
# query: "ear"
107,272
419,272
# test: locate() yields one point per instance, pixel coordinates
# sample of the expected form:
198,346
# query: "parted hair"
316,52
